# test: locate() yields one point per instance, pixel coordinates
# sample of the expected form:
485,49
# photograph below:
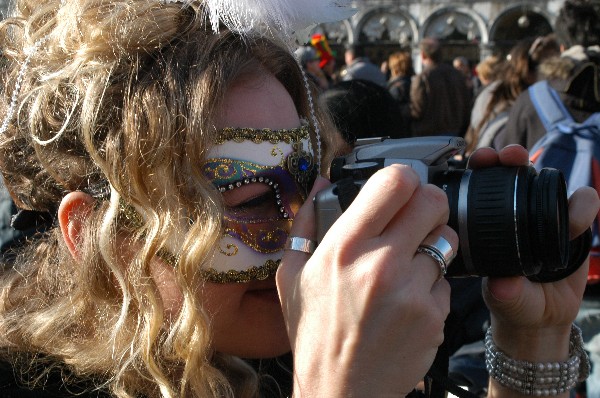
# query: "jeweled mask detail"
300,162
272,171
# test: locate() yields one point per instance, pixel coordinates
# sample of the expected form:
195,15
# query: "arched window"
385,30
459,30
516,23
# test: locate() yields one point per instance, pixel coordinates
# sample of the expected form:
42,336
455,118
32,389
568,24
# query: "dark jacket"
399,88
440,102
16,382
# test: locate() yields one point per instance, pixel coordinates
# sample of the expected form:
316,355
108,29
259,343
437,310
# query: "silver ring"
436,257
300,244
440,250
440,245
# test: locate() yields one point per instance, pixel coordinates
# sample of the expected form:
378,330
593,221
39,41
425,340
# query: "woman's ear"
73,212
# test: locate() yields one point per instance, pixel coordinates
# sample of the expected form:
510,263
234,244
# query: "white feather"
281,17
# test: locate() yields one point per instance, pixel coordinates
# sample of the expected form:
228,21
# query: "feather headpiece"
285,19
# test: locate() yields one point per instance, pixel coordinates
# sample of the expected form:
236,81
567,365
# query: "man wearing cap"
358,66
309,60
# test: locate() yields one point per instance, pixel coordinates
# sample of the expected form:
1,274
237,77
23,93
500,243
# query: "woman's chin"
272,343
258,330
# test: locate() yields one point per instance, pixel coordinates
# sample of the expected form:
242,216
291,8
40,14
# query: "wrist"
541,377
534,345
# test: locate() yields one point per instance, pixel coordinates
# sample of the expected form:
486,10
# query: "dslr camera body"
510,220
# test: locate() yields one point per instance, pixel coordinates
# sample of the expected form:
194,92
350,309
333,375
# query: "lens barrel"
510,220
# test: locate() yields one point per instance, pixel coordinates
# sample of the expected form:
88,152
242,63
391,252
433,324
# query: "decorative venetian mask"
264,176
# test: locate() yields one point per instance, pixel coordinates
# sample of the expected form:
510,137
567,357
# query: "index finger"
386,192
304,227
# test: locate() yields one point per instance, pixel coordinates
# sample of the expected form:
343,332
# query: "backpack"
573,148
491,129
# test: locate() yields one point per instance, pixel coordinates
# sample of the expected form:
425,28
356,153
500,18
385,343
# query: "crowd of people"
163,158
473,103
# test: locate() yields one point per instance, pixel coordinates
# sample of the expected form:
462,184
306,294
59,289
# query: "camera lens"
510,220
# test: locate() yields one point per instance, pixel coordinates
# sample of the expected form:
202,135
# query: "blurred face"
458,65
261,197
329,67
313,66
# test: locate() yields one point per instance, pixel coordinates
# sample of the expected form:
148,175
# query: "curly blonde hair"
119,101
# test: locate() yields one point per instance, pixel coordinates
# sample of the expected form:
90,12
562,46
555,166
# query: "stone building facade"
470,28
3,8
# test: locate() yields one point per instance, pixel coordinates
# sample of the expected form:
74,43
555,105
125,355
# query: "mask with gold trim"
256,229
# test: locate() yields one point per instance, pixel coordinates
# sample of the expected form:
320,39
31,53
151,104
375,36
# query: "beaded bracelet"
538,378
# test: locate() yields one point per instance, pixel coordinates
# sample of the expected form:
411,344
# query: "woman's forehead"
259,101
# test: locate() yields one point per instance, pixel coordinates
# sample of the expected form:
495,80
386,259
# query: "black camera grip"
347,191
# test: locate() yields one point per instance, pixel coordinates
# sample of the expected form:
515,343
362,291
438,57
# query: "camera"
510,220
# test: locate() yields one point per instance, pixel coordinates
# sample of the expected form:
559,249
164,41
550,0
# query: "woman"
491,107
120,155
171,162
400,64
488,71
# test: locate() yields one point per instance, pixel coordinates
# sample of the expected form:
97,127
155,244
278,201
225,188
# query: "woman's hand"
532,321
365,313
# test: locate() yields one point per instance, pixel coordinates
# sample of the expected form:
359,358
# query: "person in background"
362,109
463,65
490,112
358,66
401,69
385,69
178,164
572,74
327,61
488,71
440,101
309,60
